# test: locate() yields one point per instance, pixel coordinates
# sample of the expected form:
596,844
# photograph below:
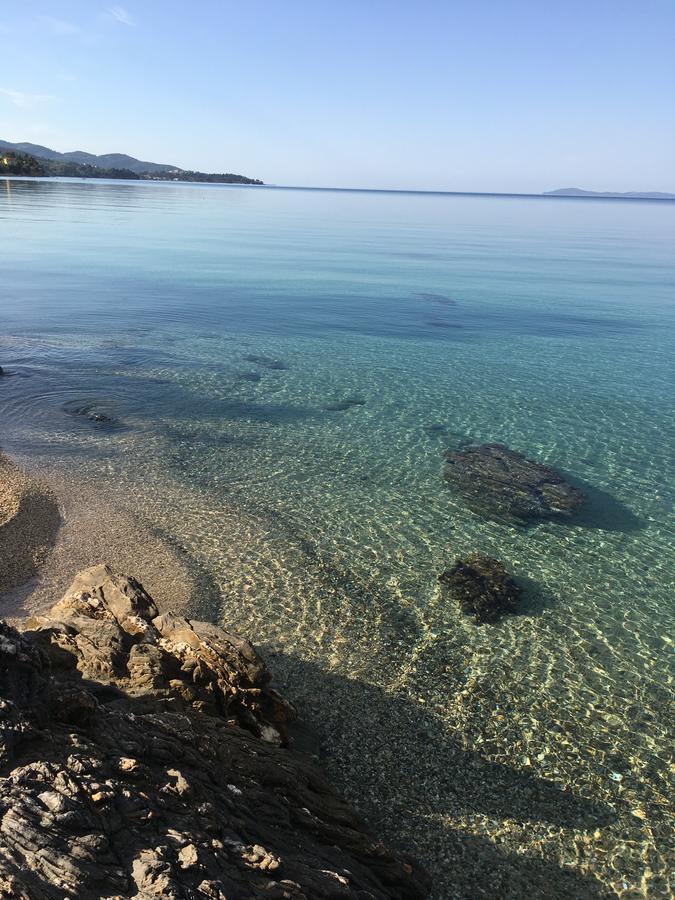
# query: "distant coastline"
26,160
614,195
632,198
36,161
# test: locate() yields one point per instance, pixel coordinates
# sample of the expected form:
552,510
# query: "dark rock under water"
435,430
482,586
267,362
250,376
89,412
347,403
500,483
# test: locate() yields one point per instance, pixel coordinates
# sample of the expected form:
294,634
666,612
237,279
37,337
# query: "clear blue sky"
501,95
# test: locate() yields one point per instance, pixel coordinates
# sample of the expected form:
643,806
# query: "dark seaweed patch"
347,403
267,362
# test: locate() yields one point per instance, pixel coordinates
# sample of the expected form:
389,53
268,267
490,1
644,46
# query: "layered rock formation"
146,755
500,483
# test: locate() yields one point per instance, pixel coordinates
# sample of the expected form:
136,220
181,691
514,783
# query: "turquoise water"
218,326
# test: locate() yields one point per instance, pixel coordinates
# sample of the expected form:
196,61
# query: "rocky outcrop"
499,483
146,755
482,586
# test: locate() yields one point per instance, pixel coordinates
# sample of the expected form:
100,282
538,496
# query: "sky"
466,95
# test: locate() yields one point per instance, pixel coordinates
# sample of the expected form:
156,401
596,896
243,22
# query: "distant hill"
14,163
629,195
80,164
106,161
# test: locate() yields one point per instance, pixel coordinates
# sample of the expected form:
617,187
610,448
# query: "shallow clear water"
218,325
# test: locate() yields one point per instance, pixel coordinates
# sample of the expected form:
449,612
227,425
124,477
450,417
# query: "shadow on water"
205,594
535,598
405,771
603,512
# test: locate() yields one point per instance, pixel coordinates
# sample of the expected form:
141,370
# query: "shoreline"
97,616
64,526
422,786
546,195
30,521
362,735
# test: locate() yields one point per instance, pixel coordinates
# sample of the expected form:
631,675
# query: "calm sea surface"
285,369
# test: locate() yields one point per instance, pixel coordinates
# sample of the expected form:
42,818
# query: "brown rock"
117,783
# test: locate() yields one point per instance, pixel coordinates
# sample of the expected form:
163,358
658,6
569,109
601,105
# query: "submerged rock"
347,403
498,482
482,586
145,755
267,362
435,430
89,412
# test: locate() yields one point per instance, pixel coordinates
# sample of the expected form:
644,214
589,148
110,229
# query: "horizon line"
543,195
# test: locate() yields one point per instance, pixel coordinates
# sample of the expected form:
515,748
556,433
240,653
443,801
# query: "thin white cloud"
59,26
120,14
23,100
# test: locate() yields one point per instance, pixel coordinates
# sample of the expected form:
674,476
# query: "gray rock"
499,483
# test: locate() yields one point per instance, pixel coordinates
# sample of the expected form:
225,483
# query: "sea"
271,376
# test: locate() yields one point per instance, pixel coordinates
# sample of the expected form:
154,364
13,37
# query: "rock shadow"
536,597
405,771
602,511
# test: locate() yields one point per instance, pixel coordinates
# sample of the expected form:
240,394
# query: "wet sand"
29,523
53,525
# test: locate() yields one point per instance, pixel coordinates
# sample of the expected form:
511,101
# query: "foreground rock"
500,483
143,755
482,586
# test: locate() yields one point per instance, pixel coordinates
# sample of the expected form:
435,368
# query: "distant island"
33,160
627,195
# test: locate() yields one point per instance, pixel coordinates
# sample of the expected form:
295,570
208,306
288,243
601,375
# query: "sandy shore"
53,526
30,519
